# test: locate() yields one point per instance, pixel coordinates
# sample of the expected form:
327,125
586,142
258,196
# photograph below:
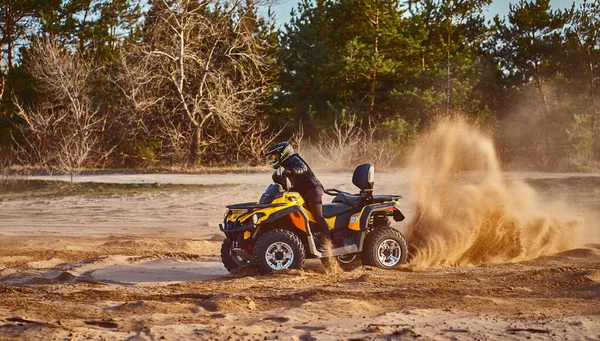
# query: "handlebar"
281,180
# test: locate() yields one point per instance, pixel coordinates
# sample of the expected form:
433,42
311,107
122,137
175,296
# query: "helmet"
280,152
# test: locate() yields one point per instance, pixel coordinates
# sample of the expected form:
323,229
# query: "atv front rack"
247,226
252,206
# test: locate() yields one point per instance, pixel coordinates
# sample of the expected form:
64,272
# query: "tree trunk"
594,109
373,81
2,82
82,29
372,90
195,147
9,59
8,35
540,86
448,75
547,117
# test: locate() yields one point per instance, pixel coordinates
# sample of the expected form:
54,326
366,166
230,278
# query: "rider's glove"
276,177
286,173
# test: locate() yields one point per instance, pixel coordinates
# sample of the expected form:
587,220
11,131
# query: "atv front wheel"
230,259
278,250
385,248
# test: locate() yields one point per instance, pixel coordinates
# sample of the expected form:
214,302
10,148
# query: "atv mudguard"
297,215
386,207
269,213
299,219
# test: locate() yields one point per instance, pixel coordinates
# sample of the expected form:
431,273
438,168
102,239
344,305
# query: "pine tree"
450,65
15,16
342,56
581,68
528,43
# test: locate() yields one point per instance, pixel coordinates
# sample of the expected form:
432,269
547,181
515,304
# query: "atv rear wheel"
278,250
385,248
346,262
230,260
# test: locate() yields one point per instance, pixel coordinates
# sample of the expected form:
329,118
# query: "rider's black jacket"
301,176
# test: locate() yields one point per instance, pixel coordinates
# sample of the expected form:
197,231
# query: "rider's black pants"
314,199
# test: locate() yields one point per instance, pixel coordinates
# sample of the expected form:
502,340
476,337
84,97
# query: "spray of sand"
468,213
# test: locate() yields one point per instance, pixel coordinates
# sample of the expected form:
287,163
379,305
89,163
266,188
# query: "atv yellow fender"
291,204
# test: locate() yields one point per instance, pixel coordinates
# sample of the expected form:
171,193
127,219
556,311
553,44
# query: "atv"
277,232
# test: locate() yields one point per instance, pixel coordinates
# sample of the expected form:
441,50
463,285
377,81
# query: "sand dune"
145,266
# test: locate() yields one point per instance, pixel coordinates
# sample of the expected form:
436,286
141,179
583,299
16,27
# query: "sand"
469,213
146,266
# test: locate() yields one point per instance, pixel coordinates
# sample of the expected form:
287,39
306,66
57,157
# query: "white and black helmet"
280,152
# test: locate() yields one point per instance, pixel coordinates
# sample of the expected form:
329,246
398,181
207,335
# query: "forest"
113,84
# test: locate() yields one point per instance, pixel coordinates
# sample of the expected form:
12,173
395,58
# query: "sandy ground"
146,266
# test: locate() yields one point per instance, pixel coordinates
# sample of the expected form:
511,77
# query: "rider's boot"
323,242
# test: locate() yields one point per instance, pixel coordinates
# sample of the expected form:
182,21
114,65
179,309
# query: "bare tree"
339,144
6,159
350,141
382,153
255,139
63,131
298,141
201,72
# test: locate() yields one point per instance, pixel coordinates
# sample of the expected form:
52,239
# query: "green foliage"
342,54
396,131
94,27
528,44
548,57
581,60
384,59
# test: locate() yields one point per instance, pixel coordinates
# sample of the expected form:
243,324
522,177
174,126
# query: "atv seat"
363,178
348,199
335,209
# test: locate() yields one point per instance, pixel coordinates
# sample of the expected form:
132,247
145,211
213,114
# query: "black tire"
383,237
230,260
346,263
290,245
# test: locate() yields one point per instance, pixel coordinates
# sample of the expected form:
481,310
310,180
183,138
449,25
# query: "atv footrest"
340,251
349,241
245,255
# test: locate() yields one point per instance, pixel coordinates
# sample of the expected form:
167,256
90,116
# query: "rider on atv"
303,181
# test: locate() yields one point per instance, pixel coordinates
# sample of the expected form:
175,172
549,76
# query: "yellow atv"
277,232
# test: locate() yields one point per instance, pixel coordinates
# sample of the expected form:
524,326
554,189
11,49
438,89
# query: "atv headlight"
254,218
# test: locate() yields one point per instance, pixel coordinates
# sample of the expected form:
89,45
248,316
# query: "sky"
282,8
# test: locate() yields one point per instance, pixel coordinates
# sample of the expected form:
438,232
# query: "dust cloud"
468,213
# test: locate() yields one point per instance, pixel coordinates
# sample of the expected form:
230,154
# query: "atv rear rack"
251,206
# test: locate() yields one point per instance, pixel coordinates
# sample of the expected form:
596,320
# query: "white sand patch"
44,264
161,270
87,266
14,259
